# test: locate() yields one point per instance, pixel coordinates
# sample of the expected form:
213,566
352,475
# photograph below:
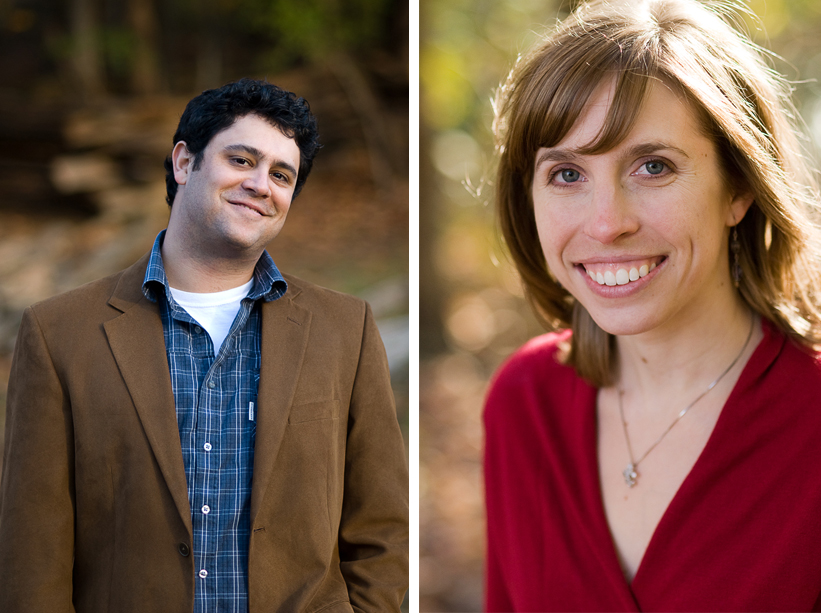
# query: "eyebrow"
253,151
570,155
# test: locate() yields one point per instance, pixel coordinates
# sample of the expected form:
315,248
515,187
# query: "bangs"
628,96
562,83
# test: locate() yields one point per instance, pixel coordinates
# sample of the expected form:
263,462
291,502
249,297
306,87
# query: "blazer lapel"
137,342
285,327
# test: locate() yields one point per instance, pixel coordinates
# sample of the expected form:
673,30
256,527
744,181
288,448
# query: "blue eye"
655,167
568,175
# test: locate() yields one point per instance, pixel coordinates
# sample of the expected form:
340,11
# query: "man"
198,432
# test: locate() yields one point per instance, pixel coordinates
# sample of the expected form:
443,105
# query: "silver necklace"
631,472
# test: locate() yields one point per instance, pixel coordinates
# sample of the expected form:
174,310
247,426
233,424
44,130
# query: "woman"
663,451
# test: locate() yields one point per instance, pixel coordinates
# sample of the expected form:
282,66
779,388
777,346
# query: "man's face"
236,201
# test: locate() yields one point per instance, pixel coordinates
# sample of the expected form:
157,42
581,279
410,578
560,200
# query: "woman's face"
638,234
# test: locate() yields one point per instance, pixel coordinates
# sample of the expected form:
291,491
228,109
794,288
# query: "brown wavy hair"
744,107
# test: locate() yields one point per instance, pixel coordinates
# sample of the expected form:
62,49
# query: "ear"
182,162
738,208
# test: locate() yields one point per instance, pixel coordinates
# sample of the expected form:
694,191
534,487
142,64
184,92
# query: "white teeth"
622,276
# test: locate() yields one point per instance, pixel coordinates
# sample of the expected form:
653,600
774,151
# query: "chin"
250,240
623,323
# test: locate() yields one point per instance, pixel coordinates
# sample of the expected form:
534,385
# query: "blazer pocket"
313,411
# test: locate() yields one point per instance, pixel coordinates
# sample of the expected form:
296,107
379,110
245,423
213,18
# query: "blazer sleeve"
36,493
373,532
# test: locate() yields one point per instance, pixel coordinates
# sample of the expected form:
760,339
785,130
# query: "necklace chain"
630,473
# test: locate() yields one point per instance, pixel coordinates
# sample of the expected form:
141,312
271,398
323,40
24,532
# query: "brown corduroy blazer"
94,513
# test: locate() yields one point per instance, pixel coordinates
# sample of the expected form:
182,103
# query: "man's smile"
251,206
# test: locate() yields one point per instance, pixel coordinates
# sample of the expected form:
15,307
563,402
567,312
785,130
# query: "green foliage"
466,50
116,47
314,29
119,47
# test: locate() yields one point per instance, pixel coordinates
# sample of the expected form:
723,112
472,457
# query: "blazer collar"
137,342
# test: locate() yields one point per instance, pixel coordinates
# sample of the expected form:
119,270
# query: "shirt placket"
216,414
205,464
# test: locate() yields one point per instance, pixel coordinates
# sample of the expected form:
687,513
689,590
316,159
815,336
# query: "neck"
192,270
677,362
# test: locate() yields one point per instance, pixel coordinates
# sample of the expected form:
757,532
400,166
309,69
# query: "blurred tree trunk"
145,76
86,57
431,294
366,105
209,57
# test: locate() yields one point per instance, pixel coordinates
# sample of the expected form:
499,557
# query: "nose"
610,214
258,182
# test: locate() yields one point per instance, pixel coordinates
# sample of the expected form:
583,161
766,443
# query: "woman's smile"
620,272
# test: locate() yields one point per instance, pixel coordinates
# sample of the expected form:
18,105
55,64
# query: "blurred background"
472,313
90,95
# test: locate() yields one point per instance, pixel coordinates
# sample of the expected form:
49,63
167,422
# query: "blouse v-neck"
716,546
750,371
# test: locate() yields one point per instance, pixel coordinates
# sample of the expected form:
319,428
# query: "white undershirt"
215,311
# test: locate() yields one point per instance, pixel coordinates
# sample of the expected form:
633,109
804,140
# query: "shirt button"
207,446
197,329
212,384
203,573
206,509
184,550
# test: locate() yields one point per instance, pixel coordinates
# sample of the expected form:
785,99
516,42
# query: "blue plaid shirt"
216,399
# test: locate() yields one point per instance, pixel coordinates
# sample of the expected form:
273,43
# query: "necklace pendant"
630,475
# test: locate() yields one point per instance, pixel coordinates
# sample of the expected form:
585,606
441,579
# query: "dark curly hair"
215,110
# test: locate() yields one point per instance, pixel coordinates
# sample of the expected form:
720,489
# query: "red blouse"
743,533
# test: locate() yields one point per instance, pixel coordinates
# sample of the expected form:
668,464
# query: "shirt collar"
269,283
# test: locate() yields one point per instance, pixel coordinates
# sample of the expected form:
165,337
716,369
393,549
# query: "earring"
735,247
